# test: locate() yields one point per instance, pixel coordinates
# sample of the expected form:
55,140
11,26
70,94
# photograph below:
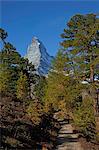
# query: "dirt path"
67,140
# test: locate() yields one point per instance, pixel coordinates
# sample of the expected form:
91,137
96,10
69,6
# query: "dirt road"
67,140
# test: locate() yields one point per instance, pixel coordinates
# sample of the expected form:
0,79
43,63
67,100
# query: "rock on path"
67,140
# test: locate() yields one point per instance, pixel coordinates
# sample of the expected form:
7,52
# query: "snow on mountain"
38,56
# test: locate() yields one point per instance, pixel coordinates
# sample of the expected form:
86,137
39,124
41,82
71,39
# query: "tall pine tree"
81,38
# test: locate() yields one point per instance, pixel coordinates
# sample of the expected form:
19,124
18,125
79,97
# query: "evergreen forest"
32,107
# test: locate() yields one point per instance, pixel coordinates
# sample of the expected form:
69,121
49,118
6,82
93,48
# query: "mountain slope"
38,56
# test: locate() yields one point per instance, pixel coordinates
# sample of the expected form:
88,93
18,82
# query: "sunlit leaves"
22,87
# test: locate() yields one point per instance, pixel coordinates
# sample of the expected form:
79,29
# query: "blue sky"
43,19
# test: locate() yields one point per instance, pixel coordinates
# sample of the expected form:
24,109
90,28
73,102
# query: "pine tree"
11,59
5,78
84,118
39,89
22,87
56,93
82,37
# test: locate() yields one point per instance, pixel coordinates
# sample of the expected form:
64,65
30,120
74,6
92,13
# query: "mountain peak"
38,56
34,39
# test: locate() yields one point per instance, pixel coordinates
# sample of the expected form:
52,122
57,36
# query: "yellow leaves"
4,79
34,112
22,87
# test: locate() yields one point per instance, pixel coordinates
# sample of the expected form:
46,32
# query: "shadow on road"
67,139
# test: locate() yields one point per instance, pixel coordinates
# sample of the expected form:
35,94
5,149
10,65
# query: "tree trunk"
91,73
4,42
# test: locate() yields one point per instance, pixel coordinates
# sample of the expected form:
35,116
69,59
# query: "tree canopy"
81,39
